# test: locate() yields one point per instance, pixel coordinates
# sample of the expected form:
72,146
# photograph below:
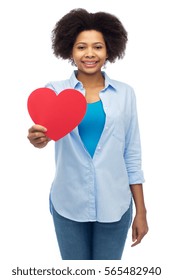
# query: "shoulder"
58,86
120,87
123,88
123,92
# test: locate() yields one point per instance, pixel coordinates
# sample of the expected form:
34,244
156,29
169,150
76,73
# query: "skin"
89,54
139,225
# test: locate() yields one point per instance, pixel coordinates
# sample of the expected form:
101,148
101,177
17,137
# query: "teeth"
90,63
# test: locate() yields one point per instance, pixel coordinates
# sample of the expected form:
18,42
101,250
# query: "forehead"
90,36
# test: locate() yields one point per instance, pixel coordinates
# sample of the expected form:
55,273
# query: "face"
89,51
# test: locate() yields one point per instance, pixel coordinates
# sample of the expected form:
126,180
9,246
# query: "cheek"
103,55
75,55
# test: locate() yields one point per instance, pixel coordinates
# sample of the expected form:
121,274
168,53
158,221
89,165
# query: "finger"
40,145
36,135
138,238
134,234
38,140
137,241
37,127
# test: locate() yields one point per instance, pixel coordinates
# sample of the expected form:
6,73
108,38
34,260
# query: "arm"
132,157
139,226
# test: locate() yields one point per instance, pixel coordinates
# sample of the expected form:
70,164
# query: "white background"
27,62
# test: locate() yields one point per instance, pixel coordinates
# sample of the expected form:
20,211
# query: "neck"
90,80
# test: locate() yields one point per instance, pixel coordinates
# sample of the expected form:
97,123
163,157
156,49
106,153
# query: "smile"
89,63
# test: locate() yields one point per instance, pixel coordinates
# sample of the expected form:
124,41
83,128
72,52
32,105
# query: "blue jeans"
91,240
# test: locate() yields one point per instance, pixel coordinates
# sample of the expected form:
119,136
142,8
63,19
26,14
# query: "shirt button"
99,148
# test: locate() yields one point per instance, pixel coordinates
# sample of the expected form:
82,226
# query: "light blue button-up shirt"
97,189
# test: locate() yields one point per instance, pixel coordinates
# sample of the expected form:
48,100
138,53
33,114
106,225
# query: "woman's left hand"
139,228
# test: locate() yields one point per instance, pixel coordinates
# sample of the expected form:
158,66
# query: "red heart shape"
60,113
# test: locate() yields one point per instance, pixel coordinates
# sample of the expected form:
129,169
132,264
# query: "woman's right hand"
37,136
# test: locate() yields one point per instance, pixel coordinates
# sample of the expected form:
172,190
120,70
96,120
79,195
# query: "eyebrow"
86,43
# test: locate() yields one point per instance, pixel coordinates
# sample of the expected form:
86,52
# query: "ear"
72,62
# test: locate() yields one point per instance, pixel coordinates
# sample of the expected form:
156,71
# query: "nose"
89,53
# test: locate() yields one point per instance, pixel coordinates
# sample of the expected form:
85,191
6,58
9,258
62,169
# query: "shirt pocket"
118,130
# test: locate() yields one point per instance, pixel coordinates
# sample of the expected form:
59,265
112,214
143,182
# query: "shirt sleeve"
50,85
132,153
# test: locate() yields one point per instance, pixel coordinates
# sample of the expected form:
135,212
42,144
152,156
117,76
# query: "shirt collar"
75,83
109,82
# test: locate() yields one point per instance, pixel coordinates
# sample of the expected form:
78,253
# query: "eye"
98,47
80,47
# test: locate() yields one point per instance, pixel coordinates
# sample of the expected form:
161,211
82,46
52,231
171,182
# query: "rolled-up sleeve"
132,154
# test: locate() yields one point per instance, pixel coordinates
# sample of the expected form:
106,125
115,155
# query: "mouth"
89,63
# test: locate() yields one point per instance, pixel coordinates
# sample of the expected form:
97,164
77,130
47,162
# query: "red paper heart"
60,113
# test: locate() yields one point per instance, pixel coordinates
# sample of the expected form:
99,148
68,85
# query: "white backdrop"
27,62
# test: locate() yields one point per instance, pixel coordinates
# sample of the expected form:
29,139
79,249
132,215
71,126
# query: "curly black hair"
77,20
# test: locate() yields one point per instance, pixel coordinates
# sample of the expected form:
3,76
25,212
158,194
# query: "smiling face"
89,51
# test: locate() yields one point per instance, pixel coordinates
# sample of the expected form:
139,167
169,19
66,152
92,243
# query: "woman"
98,164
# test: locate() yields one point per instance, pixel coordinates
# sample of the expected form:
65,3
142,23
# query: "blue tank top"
91,127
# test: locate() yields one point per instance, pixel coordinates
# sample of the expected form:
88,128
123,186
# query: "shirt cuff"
136,177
